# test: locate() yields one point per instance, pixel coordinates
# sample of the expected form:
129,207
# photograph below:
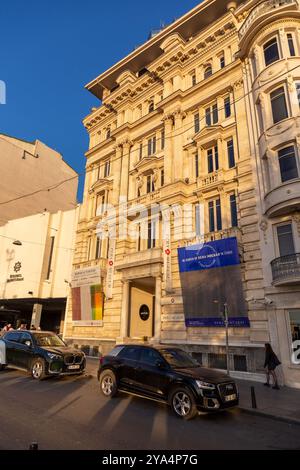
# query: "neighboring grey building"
27,167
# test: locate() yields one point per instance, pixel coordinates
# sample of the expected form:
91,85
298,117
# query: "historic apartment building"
203,117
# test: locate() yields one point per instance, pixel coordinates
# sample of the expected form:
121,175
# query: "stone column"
168,120
178,151
125,170
117,164
157,323
36,315
124,327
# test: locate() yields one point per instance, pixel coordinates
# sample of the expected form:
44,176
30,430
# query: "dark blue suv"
169,375
41,353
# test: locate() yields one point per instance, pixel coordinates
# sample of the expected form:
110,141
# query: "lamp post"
226,321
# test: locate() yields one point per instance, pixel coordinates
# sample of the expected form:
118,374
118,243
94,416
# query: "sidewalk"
282,405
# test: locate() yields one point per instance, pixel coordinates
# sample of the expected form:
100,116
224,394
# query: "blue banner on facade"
211,278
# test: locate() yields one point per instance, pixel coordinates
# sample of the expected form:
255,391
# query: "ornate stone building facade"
195,119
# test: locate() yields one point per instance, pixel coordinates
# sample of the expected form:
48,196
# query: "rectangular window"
216,158
291,45
211,213
295,325
141,151
52,240
152,146
288,164
208,116
298,92
271,51
151,234
210,161
197,165
163,139
107,169
215,215
198,220
215,113
162,178
222,62
197,122
194,79
279,106
213,160
218,214
100,205
285,240
98,248
149,184
233,210
231,155
227,107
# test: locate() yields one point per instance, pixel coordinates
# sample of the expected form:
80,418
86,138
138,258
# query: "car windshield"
179,359
46,339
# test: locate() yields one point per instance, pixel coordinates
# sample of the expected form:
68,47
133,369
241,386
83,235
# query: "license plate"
230,398
74,367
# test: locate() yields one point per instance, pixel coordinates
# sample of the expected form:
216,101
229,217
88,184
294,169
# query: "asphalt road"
70,414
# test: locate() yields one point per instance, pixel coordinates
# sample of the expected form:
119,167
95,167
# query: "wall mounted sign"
211,277
87,297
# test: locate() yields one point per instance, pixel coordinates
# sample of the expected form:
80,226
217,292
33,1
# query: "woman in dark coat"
271,363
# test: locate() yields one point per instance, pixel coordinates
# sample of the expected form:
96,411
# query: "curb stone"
264,414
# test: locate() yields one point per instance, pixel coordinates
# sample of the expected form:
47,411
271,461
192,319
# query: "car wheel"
183,403
108,384
38,369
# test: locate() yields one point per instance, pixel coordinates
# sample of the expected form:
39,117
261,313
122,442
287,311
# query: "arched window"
207,71
108,133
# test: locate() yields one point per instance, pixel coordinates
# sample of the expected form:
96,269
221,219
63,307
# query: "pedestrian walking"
271,363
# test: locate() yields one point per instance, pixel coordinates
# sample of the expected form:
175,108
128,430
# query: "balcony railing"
261,9
286,270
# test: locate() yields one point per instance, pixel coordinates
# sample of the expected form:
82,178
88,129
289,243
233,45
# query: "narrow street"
71,414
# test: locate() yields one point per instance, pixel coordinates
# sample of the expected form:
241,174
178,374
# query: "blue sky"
51,48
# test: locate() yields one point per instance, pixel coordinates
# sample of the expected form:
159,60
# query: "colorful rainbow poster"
87,297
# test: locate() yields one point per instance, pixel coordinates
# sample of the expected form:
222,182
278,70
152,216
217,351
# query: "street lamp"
226,321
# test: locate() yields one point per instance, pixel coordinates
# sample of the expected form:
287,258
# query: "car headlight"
205,385
54,357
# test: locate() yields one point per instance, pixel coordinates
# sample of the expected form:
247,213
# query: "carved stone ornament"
264,224
296,218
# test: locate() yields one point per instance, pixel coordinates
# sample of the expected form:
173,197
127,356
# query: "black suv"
42,353
169,375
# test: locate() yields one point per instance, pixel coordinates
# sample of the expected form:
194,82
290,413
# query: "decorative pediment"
147,164
102,184
126,78
171,42
209,135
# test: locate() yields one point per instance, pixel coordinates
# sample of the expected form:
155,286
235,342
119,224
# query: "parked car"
41,353
169,375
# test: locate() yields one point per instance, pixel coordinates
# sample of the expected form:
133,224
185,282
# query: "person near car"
6,328
23,326
271,364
